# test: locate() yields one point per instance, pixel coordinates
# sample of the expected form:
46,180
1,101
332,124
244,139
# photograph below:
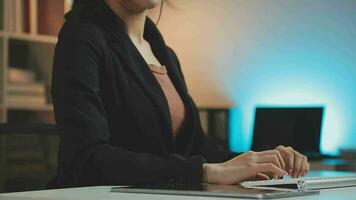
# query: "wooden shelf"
34,38
31,52
30,107
212,102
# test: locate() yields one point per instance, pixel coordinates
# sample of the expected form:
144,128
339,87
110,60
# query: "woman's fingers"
278,155
308,168
304,167
270,168
269,159
298,160
257,177
296,164
300,163
288,157
261,176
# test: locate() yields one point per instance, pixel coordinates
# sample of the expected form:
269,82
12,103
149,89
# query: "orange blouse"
175,103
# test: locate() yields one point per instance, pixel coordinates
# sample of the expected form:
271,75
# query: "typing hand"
296,164
251,165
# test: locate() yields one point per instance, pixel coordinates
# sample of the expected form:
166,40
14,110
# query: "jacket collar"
132,60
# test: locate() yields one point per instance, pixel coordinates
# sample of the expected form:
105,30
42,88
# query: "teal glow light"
301,55
301,87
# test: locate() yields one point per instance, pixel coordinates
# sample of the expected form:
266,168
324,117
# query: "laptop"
299,127
210,190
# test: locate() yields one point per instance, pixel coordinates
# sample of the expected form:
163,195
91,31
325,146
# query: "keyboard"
303,184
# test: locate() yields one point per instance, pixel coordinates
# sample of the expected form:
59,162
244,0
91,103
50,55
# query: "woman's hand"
257,166
247,166
296,164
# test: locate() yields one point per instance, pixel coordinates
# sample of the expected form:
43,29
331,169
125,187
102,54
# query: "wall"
270,52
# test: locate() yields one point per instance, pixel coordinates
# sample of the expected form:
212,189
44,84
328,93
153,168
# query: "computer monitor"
297,127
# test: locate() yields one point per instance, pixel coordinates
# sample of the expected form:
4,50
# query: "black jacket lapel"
184,141
161,51
133,61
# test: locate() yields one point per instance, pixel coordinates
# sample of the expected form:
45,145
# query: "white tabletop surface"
103,193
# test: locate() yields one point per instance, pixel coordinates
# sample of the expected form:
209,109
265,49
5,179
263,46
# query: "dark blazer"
112,114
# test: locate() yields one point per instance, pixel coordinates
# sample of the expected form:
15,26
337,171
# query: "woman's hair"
80,7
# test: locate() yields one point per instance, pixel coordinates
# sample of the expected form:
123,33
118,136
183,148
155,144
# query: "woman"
124,113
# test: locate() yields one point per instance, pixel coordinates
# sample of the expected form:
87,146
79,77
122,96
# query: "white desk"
103,193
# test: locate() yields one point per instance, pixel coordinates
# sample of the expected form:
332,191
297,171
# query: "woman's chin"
146,4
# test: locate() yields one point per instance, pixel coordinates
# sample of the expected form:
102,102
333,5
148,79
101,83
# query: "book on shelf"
21,99
16,16
18,75
19,17
26,89
23,88
30,16
10,6
2,15
37,16
50,15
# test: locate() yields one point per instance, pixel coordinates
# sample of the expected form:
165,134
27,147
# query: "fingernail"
284,173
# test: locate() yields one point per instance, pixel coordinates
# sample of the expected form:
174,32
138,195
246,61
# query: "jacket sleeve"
206,146
86,156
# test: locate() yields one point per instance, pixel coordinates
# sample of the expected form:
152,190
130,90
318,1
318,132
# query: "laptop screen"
296,127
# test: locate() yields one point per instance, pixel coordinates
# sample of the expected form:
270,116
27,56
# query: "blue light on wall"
306,58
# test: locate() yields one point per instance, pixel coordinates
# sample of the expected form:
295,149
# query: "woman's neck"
134,21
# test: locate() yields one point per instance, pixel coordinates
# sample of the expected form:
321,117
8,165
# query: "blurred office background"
270,53
236,55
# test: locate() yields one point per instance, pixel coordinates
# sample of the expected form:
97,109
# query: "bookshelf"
28,35
34,38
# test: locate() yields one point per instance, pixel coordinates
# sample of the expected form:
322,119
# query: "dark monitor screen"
296,127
